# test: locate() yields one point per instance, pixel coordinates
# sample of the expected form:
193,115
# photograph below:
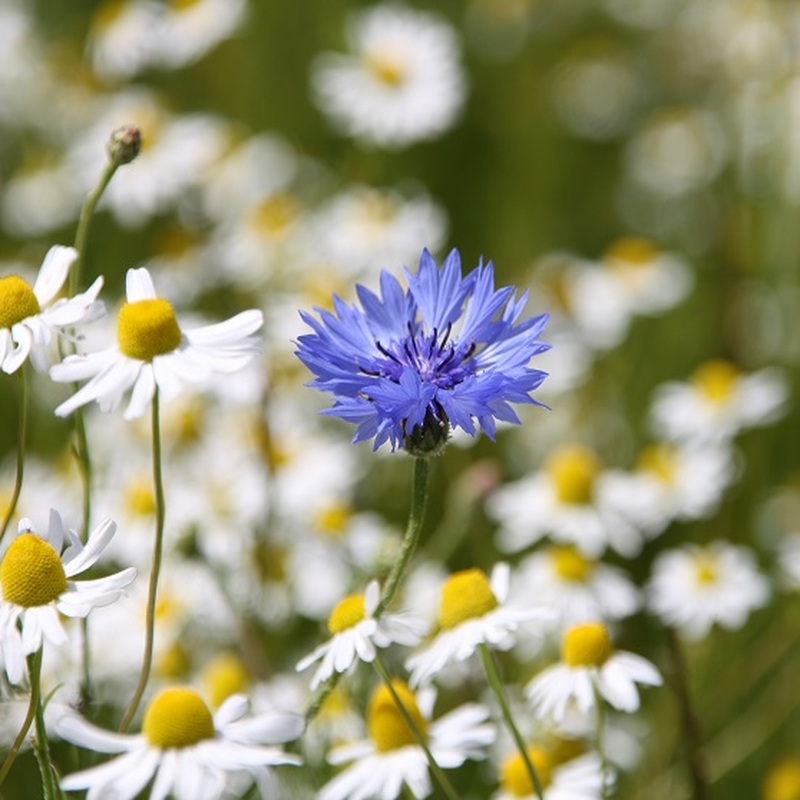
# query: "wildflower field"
399,399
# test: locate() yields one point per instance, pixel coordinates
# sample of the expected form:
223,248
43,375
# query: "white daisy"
189,753
357,632
697,586
473,611
402,82
717,402
589,666
392,757
153,352
568,500
577,587
36,585
30,316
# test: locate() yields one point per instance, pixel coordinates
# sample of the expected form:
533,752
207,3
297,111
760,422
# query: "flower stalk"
22,433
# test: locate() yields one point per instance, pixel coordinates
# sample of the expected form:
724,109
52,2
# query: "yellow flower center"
108,13
273,217
716,380
183,5
783,781
224,676
139,498
706,569
465,595
659,460
270,561
514,775
390,68
631,250
177,717
332,519
570,565
17,301
31,572
385,722
173,662
348,612
147,328
573,470
586,645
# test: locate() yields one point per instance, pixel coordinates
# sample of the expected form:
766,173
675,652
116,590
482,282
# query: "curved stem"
435,768
28,721
147,659
40,745
497,687
22,434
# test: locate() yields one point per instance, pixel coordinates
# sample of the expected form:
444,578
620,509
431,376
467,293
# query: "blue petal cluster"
410,364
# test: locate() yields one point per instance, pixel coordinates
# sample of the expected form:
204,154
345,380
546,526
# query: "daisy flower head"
392,757
695,587
589,666
186,751
401,83
356,632
473,611
408,365
153,352
29,316
37,584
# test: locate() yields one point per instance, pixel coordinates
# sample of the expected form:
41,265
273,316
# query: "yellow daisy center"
783,781
183,5
706,569
385,722
273,217
224,676
31,572
147,328
570,565
573,470
386,66
514,775
632,250
465,595
173,662
108,13
17,301
177,717
659,460
348,612
332,519
139,498
716,380
586,645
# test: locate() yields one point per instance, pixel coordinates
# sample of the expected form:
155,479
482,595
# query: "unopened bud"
124,144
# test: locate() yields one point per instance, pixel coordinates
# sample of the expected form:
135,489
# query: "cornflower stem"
599,739
34,666
22,435
147,659
692,733
497,687
447,787
40,746
416,517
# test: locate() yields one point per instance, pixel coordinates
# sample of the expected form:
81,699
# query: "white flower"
36,585
590,666
188,753
473,611
153,352
357,632
402,83
569,501
697,586
29,317
717,402
392,757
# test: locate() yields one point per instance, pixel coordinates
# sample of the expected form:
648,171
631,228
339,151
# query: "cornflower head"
410,364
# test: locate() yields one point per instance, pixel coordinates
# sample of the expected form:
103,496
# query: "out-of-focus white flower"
696,587
402,81
789,560
717,402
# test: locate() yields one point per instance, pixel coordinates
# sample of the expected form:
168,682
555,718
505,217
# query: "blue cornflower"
408,365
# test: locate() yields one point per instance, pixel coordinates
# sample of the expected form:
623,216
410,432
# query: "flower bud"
124,144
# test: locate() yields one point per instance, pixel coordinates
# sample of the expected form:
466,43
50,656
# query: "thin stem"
416,517
147,658
600,729
22,434
40,745
28,721
435,768
692,734
497,687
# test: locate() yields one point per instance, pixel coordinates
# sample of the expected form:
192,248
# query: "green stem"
416,517
147,659
497,687
22,434
28,721
435,768
40,745
600,727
